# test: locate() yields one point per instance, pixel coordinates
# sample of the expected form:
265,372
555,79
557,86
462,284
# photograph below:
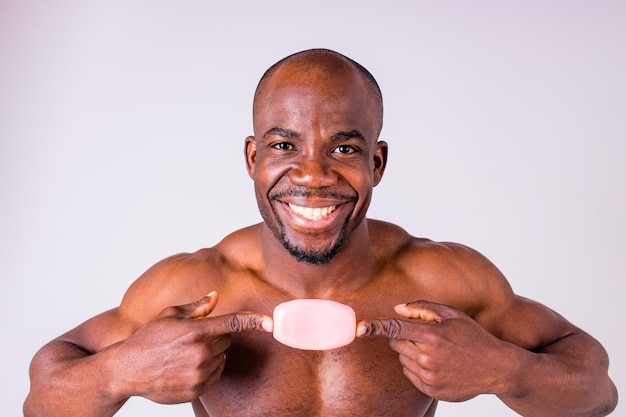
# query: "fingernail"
211,294
267,325
361,330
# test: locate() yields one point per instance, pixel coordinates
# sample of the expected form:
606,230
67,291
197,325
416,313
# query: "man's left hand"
444,353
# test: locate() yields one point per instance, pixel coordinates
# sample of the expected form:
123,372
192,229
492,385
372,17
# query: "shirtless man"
314,160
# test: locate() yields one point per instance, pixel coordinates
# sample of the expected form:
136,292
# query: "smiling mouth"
312,213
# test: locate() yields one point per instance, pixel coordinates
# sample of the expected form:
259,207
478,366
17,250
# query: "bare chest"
265,378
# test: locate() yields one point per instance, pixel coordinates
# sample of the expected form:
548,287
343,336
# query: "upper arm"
529,324
506,315
479,289
120,323
101,331
171,282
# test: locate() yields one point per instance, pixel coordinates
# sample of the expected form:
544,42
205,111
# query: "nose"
313,171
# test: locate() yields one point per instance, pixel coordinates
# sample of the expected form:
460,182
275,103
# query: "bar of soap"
312,324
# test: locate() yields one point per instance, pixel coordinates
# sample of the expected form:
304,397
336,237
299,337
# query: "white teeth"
312,213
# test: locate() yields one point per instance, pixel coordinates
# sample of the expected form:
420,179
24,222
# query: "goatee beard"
313,257
310,256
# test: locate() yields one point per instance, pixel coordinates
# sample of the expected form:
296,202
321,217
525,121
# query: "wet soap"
312,324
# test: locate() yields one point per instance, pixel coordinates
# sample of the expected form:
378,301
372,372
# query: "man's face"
314,159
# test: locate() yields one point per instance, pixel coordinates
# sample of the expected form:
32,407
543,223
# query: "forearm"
68,381
567,378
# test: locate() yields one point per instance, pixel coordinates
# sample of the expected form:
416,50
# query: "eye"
283,146
345,149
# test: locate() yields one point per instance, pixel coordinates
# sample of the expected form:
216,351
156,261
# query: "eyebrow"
292,134
343,136
279,131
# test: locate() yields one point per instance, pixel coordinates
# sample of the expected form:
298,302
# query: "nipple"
312,324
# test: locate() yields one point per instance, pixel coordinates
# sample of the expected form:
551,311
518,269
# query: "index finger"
391,328
240,322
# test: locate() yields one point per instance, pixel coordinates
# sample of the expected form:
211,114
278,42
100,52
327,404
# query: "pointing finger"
420,313
391,328
240,322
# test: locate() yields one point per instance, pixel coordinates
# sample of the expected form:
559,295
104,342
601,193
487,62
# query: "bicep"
159,287
100,331
143,300
504,314
529,324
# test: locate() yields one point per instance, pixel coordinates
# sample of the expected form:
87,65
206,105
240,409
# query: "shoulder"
461,277
176,280
392,241
186,277
444,272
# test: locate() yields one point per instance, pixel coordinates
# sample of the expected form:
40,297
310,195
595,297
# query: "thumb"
427,311
421,313
201,308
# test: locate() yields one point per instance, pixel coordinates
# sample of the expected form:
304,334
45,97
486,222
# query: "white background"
122,127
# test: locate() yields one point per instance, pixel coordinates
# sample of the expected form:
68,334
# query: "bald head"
322,68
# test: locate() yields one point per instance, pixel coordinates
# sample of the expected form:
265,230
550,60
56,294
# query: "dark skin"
315,148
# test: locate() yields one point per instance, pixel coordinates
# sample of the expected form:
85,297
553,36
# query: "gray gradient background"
122,127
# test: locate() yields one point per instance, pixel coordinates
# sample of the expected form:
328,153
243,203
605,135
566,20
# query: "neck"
350,268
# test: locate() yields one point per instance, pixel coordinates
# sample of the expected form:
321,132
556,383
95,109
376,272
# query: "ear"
380,160
250,154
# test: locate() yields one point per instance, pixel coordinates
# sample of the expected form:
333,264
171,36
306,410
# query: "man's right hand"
178,354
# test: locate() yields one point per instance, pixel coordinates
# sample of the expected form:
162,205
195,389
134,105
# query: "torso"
265,378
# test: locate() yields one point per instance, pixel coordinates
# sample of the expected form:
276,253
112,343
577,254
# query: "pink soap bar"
311,324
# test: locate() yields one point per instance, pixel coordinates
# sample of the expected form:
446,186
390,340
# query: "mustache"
305,192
